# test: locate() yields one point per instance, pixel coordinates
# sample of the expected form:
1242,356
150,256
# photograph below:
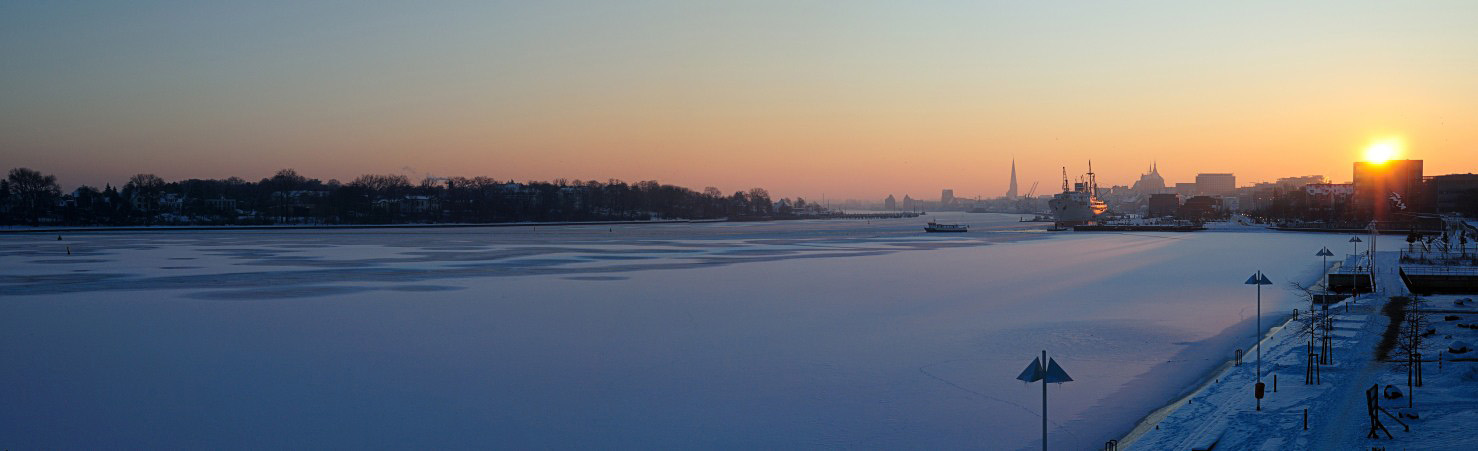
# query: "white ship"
1080,205
935,227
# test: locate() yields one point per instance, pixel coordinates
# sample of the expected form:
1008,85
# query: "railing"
1469,257
1435,270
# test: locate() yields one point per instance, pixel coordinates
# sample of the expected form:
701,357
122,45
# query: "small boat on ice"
935,227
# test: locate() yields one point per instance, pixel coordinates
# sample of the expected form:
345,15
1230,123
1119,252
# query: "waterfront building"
1200,208
1163,204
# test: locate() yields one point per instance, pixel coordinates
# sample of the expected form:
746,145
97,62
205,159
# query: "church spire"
1011,191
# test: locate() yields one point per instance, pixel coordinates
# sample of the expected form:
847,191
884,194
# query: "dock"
1138,228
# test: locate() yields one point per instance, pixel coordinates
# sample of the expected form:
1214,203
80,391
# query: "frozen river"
770,335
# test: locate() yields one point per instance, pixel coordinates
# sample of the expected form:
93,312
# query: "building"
1455,193
1200,208
1231,203
221,204
1185,189
947,198
1216,184
1329,190
1150,182
890,203
1383,189
1163,204
1293,183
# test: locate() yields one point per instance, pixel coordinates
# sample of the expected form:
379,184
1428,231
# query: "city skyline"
850,101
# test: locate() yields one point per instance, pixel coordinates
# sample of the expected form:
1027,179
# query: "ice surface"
728,335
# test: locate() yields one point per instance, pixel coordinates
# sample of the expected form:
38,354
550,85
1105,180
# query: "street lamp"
1326,254
1356,240
1259,279
1045,370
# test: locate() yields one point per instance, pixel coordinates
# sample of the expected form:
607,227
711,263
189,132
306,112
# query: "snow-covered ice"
727,335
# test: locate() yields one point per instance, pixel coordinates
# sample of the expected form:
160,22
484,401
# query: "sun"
1383,151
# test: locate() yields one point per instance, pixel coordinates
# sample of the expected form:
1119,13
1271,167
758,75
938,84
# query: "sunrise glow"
1383,151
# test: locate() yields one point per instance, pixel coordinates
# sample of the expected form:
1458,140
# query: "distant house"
171,202
221,204
418,204
409,204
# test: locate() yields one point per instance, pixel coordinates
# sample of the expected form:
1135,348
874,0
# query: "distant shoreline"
75,229
338,226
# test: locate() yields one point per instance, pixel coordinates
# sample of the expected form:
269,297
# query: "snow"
1224,410
863,334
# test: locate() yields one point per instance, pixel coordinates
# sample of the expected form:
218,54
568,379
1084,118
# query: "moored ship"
1079,205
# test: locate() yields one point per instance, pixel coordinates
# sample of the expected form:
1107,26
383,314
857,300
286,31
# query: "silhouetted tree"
33,191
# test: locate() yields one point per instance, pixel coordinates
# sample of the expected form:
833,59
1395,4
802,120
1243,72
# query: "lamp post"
1259,279
1326,254
1356,241
1045,370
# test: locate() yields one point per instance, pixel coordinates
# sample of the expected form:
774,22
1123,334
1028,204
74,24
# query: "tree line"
29,197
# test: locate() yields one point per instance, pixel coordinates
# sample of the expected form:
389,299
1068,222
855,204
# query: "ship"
1079,205
935,227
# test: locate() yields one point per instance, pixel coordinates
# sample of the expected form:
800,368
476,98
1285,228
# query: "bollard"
1306,419
1275,383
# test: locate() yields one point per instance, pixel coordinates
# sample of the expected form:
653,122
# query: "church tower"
1011,192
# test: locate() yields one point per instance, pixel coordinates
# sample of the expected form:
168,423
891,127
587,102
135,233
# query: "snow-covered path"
1223,413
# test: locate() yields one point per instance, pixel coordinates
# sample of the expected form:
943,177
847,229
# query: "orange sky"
846,100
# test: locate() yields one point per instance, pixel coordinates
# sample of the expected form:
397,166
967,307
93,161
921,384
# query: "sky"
851,99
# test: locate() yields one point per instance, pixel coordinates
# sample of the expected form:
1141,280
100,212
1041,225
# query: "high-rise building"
1011,192
890,203
1216,184
1386,188
947,197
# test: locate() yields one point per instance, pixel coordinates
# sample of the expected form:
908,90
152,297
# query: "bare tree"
1411,344
388,184
144,190
34,190
1312,323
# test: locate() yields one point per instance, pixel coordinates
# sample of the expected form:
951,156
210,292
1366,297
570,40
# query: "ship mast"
1092,180
1064,179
